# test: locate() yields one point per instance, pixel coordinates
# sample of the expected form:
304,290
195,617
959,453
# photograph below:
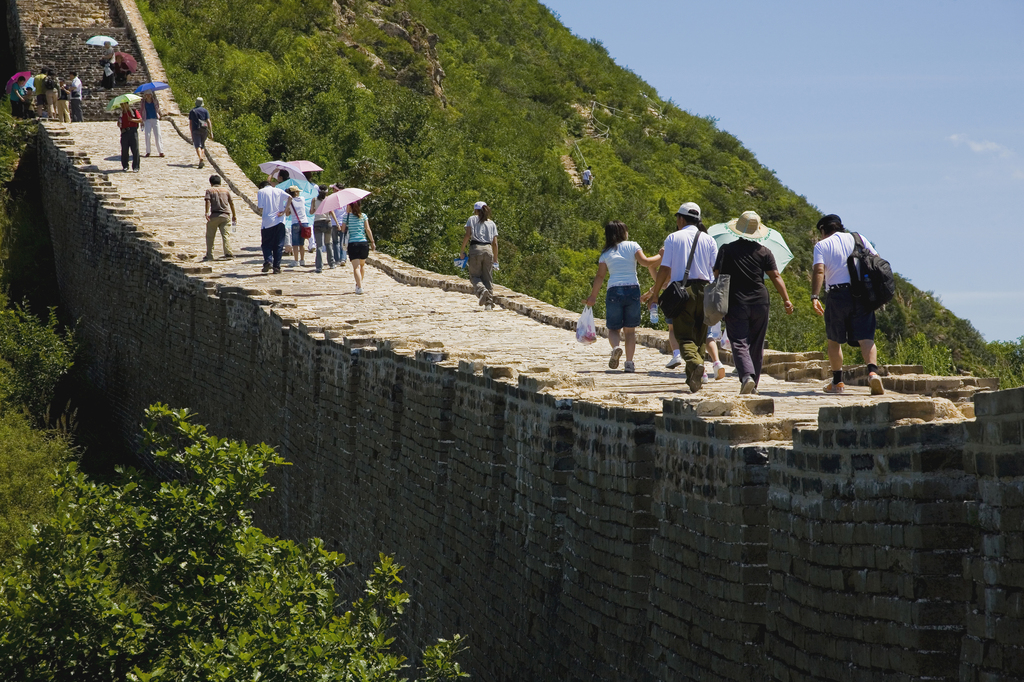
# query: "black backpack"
870,276
50,83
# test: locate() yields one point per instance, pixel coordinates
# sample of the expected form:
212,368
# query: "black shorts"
358,250
846,320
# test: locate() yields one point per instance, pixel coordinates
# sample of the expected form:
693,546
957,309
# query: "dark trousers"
747,325
272,244
76,111
130,143
690,329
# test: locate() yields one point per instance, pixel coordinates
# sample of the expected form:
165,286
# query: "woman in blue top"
622,301
18,94
360,241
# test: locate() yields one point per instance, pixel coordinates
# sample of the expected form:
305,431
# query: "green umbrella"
751,227
121,99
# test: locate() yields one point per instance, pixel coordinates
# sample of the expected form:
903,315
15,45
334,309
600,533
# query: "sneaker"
706,378
229,256
359,290
277,271
834,388
719,369
695,378
330,266
748,386
202,163
125,169
205,258
318,271
674,362
875,382
613,361
266,267
489,306
302,263
628,367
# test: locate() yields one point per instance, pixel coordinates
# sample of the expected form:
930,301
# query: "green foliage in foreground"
34,356
29,458
149,580
293,80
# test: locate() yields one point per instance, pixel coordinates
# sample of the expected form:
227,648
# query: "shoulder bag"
675,296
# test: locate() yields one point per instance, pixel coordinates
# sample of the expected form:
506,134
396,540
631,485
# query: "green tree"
169,580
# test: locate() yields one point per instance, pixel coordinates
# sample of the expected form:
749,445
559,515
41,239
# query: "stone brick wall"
993,648
571,541
869,529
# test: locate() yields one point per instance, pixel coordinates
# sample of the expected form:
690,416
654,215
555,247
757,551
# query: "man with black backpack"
51,88
841,263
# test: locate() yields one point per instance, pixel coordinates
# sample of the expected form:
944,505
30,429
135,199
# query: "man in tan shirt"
219,205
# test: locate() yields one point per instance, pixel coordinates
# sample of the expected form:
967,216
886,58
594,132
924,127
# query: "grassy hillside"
434,105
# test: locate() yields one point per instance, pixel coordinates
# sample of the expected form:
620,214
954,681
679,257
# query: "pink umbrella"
15,77
271,167
306,166
340,200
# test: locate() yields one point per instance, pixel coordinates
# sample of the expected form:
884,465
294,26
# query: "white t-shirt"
76,88
621,262
832,252
299,210
272,201
677,252
586,175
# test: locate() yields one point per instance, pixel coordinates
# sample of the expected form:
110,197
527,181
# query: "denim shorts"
622,307
296,234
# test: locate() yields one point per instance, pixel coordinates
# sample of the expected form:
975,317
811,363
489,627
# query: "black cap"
830,219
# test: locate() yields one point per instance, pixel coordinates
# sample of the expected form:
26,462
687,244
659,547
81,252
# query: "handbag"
675,296
716,300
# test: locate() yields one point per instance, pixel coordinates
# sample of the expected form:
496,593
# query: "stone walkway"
168,196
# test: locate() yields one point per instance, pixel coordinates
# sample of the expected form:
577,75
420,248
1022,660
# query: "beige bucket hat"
748,225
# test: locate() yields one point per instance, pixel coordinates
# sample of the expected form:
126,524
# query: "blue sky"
905,117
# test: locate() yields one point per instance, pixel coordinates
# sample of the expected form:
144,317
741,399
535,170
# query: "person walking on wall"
219,205
129,125
151,122
482,238
846,318
712,343
301,227
324,233
689,327
64,102
76,98
51,93
272,205
201,127
18,96
588,177
337,218
360,241
622,300
747,263
107,64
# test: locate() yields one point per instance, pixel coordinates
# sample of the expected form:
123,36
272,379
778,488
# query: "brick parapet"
869,521
993,648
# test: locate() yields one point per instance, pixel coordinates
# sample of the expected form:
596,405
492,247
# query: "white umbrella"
270,167
340,200
99,40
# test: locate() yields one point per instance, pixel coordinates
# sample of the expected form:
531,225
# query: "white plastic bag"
586,330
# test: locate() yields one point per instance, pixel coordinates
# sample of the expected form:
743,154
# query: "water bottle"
654,313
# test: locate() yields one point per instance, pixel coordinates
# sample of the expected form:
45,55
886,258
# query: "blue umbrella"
99,40
725,233
152,87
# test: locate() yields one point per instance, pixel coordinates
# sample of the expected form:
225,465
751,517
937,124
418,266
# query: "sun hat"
690,209
199,101
293,190
748,225
478,205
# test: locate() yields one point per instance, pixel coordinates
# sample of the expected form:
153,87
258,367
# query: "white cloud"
980,147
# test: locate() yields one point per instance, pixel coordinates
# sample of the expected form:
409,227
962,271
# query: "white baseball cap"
478,205
689,208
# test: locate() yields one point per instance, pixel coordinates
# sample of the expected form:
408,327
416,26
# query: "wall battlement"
573,531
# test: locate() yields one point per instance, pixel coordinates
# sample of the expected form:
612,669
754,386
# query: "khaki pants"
690,330
63,111
51,103
217,222
480,261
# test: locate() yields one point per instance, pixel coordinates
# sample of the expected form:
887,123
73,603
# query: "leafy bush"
917,350
150,580
34,356
29,458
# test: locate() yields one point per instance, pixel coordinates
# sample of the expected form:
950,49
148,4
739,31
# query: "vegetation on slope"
357,87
